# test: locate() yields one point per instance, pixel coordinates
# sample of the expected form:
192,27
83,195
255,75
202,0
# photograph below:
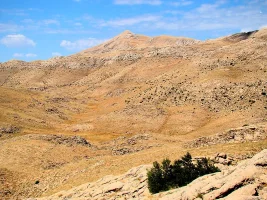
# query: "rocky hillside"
247,180
128,102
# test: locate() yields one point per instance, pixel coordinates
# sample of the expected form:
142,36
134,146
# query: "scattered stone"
52,110
60,139
9,129
223,159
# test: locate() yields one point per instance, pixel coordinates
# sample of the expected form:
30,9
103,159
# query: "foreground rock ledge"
247,180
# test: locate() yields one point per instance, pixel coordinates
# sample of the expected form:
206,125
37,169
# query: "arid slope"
135,99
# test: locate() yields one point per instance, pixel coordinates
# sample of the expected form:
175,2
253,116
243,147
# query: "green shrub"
181,172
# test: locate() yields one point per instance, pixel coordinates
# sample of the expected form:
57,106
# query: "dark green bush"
181,172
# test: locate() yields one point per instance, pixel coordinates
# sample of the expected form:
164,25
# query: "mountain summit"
130,41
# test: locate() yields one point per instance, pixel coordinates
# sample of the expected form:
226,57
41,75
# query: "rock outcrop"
131,185
242,134
247,180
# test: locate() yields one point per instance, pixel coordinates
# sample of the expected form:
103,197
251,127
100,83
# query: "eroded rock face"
247,180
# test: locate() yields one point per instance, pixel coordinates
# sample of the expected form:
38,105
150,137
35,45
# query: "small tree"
167,174
183,171
155,179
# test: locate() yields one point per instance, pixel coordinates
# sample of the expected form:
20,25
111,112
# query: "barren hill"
134,42
129,101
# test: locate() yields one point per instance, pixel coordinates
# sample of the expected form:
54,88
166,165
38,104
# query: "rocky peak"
126,34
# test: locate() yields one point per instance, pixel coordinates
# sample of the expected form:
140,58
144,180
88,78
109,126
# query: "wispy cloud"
181,3
214,16
131,21
19,12
67,31
80,44
17,41
55,54
45,22
18,55
21,55
77,24
50,21
138,2
30,55
10,27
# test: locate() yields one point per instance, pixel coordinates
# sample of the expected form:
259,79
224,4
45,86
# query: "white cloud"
216,16
131,21
45,22
30,55
181,3
18,12
17,41
67,31
54,54
137,2
21,55
80,44
27,21
9,27
18,55
78,24
50,21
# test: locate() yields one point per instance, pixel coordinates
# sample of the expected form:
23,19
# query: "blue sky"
36,30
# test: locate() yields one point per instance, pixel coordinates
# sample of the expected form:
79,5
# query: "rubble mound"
60,139
124,145
9,130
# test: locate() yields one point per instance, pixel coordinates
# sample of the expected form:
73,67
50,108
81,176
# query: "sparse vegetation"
166,176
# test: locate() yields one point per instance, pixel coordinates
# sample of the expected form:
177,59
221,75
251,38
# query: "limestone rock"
247,180
131,185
